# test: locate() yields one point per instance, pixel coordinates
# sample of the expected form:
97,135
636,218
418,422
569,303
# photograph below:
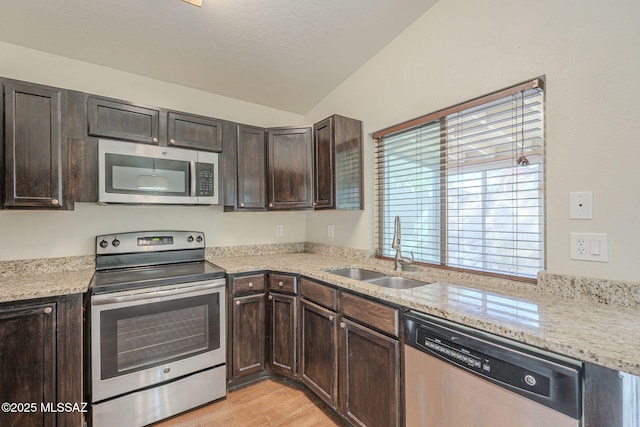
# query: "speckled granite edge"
46,265
337,251
253,250
610,292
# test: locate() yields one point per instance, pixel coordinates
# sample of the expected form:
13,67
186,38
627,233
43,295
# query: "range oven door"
154,335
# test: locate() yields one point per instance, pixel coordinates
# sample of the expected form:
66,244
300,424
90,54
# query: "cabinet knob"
280,284
55,202
270,205
270,297
172,141
343,325
237,302
251,284
48,310
242,205
154,139
331,318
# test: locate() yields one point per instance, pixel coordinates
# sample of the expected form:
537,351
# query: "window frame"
440,117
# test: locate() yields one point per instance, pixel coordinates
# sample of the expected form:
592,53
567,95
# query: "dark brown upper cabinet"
120,120
34,134
196,132
251,164
290,168
337,168
109,118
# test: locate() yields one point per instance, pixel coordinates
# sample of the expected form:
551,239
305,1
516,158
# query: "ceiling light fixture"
194,2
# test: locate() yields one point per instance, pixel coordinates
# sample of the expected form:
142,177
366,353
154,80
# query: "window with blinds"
467,184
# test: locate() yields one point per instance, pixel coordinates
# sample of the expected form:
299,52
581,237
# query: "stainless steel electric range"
156,328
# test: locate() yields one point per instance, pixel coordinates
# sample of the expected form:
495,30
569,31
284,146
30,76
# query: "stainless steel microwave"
149,174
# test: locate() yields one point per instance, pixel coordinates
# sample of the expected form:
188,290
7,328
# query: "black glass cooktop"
158,275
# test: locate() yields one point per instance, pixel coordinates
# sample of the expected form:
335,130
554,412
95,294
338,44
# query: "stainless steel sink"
397,282
357,273
377,278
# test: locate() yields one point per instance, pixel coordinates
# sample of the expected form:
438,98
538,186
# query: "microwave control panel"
205,180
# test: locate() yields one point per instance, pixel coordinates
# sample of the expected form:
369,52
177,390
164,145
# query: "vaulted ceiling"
286,54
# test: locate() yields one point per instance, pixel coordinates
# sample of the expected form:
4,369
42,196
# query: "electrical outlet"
330,231
279,230
590,247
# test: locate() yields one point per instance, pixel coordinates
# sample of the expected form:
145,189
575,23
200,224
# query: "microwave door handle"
192,189
110,299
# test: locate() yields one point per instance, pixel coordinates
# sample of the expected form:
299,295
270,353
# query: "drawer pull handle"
270,297
172,141
242,205
343,325
280,284
48,310
331,318
251,284
237,302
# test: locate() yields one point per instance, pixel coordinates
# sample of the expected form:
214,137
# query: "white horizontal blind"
468,187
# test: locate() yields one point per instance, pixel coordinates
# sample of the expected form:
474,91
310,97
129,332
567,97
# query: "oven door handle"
109,299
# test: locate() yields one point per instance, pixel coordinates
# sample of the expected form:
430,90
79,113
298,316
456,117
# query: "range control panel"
148,241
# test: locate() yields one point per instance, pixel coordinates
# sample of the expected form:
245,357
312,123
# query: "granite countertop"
45,277
590,331
604,334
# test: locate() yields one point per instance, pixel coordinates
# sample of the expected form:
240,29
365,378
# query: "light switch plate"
581,205
590,247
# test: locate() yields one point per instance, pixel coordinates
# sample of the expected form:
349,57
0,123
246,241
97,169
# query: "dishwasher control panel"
547,378
482,364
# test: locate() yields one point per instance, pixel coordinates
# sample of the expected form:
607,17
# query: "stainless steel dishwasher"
457,376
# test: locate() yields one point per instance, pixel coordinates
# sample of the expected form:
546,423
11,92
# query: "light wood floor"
267,403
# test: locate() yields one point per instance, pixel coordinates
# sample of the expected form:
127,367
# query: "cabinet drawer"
244,284
320,294
282,283
379,316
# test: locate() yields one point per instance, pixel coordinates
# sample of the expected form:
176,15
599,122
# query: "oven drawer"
246,284
282,283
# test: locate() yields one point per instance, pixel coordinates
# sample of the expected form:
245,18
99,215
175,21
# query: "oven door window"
146,175
148,335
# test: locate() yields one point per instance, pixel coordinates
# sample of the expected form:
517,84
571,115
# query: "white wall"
589,52
36,234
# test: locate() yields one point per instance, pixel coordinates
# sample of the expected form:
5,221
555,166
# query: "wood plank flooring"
268,403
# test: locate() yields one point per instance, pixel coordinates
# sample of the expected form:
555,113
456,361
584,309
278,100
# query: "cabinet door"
282,328
120,120
319,351
348,168
323,170
248,335
196,132
28,357
252,187
369,377
290,167
34,135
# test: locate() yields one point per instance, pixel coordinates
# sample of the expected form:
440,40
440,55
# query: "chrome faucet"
400,260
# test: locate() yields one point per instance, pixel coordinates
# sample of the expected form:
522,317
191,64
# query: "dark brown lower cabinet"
319,351
248,339
370,376
282,333
41,361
